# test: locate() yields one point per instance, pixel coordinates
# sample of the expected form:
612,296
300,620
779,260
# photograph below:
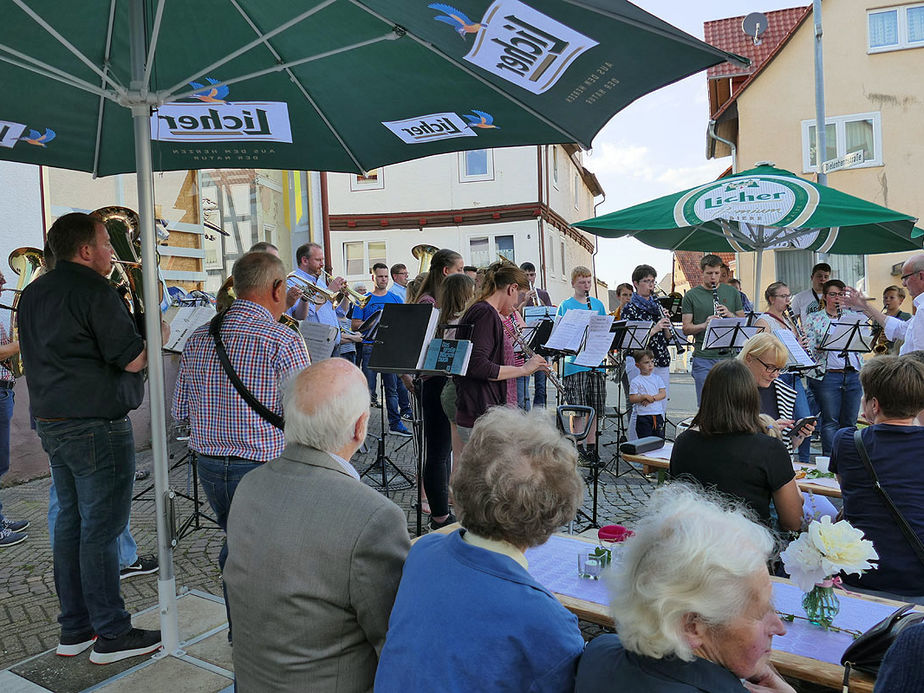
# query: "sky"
657,145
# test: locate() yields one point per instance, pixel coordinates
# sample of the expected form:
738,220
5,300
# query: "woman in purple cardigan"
483,384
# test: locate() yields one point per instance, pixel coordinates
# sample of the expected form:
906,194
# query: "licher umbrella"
760,209
115,86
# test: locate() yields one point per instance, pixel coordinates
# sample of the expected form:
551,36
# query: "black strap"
260,408
902,522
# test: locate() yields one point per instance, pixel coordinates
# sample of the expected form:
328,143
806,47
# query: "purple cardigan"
475,391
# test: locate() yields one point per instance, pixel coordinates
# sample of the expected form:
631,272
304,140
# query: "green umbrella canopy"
325,85
763,208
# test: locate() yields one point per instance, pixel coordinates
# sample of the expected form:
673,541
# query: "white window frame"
358,185
564,265
903,42
492,245
465,178
839,123
367,262
553,165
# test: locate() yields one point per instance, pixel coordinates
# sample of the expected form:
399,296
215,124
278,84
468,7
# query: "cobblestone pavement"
29,606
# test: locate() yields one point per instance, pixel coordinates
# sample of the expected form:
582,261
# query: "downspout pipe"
734,149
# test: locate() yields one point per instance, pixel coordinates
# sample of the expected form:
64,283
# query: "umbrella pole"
141,121
760,262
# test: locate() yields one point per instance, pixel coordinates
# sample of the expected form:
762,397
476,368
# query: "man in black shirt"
84,358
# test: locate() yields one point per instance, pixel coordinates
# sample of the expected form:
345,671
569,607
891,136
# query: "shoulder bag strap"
902,522
260,408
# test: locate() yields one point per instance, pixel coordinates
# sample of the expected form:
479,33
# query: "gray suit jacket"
314,561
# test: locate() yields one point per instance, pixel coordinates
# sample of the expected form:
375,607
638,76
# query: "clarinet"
678,343
715,299
798,330
587,297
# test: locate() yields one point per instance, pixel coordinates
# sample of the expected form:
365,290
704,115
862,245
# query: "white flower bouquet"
826,549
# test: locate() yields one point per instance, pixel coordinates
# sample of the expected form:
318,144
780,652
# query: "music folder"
405,330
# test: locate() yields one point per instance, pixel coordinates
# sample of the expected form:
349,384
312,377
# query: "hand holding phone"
800,424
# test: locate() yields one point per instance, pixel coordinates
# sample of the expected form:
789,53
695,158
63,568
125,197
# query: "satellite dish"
754,25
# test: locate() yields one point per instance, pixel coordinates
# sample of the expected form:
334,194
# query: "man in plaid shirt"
229,438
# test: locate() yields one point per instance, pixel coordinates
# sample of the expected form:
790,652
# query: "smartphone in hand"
796,427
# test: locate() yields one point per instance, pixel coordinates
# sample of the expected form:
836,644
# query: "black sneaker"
437,525
73,645
133,643
15,525
8,538
145,565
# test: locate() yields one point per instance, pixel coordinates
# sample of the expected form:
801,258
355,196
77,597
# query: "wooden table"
656,464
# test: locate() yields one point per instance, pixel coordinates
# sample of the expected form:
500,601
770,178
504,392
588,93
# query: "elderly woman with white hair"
516,483
692,602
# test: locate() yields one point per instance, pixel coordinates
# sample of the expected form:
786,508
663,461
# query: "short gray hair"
517,478
256,271
692,553
323,403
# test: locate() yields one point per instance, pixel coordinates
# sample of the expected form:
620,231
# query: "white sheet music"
797,355
569,330
599,339
185,322
319,339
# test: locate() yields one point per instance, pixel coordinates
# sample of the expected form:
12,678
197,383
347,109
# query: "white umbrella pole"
760,262
141,121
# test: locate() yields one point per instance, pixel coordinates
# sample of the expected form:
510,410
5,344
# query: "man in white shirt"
310,260
810,300
912,331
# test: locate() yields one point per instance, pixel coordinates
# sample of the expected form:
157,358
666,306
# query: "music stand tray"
728,333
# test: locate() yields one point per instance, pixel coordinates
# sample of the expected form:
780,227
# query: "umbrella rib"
69,46
390,36
510,97
99,115
41,68
298,84
240,51
149,62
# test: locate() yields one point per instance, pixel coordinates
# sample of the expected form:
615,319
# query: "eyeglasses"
835,294
910,274
786,296
772,370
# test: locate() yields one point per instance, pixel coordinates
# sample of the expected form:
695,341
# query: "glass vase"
821,605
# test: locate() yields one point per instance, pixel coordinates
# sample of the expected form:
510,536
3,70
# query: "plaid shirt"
5,372
263,353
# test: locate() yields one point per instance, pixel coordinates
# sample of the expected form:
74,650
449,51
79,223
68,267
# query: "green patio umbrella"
115,86
760,209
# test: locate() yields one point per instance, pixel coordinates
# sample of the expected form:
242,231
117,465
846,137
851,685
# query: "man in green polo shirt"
698,309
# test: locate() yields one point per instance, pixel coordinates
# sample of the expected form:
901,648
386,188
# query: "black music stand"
846,338
389,470
730,333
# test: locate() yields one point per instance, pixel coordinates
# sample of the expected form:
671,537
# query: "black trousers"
649,425
437,446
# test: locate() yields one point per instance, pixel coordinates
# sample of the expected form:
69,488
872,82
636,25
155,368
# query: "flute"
514,333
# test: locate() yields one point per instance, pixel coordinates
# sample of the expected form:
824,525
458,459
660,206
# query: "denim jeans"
539,392
838,395
6,415
93,466
219,477
523,392
128,549
700,370
390,381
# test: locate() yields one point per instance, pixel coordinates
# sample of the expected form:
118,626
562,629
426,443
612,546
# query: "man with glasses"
399,275
838,392
912,331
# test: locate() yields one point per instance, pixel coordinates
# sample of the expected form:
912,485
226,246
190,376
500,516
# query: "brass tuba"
29,264
124,228
424,252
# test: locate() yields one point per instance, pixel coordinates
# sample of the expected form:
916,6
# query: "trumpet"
351,295
514,333
312,292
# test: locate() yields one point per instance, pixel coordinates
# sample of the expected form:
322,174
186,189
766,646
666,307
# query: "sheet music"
569,330
797,355
185,322
599,340
319,339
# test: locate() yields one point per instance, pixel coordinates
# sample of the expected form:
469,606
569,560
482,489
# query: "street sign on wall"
842,162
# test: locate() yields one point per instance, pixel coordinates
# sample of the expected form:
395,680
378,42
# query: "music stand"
846,338
726,334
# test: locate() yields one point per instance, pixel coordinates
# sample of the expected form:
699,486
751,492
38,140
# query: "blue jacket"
467,619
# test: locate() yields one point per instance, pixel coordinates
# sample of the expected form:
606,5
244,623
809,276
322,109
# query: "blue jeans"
390,381
539,397
799,409
6,414
523,392
700,369
128,549
838,395
219,477
93,467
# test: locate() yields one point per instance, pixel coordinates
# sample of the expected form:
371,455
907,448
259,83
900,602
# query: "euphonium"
424,252
28,263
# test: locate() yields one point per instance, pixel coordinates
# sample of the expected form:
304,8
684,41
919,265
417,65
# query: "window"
555,166
575,189
359,256
370,180
503,245
794,267
476,165
845,135
551,253
480,249
563,271
895,28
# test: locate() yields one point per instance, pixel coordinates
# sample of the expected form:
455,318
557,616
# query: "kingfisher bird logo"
480,119
39,139
212,118
11,134
457,19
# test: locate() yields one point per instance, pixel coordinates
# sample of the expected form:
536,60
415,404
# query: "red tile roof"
728,35
688,261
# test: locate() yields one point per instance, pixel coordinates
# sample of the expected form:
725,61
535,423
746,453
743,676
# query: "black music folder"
405,330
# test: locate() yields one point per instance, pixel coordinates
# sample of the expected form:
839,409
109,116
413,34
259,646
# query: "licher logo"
480,119
456,19
214,119
436,126
519,44
210,94
758,201
12,133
